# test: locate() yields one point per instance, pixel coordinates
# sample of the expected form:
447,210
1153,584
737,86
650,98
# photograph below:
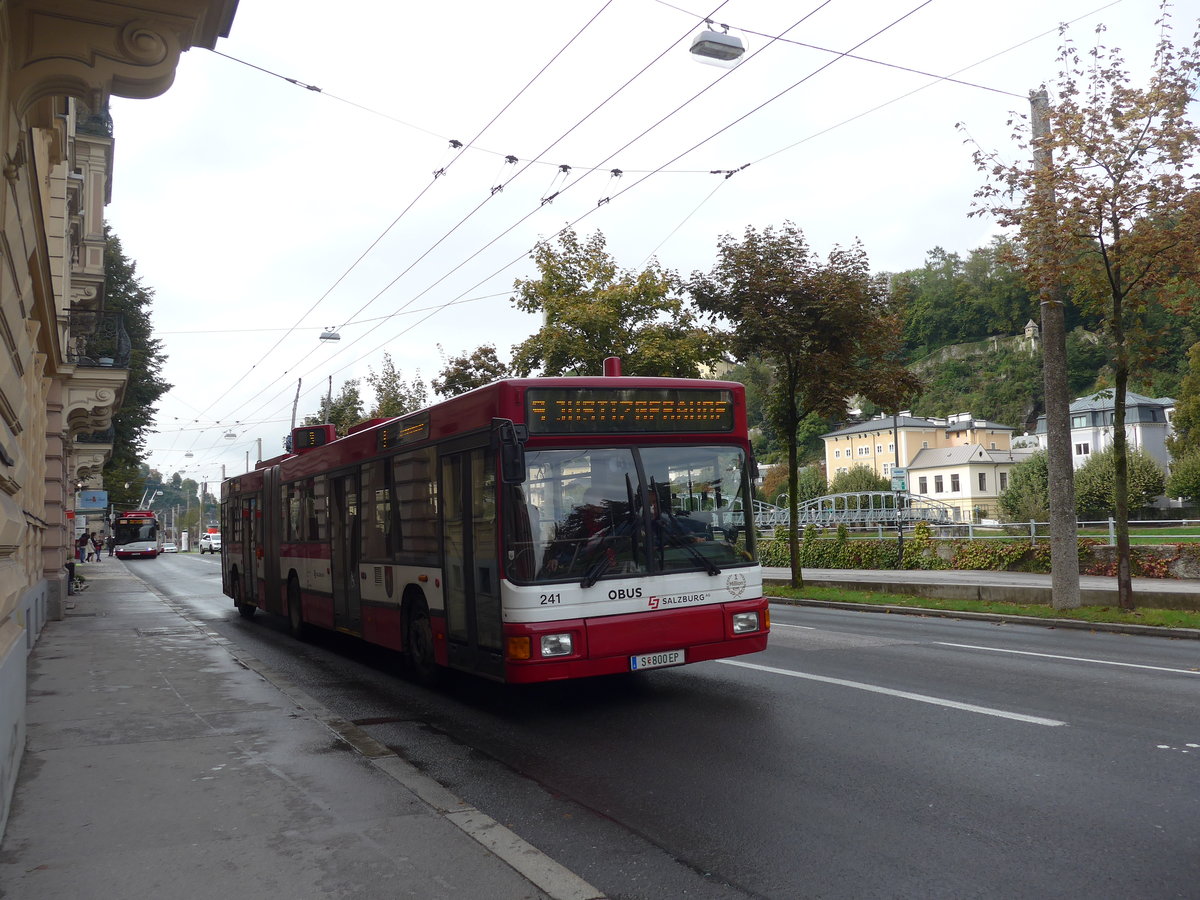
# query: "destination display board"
406,431
628,410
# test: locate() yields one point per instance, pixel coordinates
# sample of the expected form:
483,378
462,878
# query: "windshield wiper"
674,531
709,566
597,569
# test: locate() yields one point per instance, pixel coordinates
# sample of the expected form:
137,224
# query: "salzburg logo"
736,584
654,603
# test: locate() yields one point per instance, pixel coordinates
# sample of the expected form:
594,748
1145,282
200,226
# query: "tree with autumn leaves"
1113,221
828,327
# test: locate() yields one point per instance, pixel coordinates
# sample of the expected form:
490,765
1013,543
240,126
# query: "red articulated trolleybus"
530,530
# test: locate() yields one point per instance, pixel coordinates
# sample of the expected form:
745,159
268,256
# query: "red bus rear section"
531,530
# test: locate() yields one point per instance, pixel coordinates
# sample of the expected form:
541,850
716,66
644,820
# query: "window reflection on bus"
587,514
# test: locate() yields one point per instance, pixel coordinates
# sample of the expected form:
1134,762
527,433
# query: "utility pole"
1064,541
900,492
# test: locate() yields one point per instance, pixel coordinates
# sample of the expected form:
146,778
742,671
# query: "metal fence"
1164,530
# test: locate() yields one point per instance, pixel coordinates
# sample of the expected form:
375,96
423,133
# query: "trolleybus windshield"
133,530
586,514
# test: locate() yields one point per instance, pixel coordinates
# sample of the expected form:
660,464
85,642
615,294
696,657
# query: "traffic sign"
899,479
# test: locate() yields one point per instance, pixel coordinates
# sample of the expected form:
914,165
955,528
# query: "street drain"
159,632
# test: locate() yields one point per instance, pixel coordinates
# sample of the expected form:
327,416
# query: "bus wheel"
246,609
296,623
419,642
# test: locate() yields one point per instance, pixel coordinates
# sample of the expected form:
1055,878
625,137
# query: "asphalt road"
859,756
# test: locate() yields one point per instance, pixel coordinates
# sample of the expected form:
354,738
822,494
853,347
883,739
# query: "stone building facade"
63,372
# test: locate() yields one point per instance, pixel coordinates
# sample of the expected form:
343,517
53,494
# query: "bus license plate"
655,660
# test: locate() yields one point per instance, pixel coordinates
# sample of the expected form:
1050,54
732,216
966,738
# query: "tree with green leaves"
858,479
1095,482
591,309
824,325
1184,444
468,371
393,395
1109,209
1184,480
1185,421
124,293
1027,498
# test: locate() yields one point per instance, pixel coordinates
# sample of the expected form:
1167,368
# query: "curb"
1192,634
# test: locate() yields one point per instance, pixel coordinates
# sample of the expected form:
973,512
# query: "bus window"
695,492
588,513
319,517
378,537
415,498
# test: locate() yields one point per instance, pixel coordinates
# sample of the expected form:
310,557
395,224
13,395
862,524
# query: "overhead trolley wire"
458,146
516,175
636,183
845,54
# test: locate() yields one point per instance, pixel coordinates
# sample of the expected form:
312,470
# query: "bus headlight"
556,645
745,622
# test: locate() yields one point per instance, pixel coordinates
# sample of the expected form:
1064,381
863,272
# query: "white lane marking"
785,625
904,695
1099,662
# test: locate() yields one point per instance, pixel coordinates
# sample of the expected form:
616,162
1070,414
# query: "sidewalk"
161,761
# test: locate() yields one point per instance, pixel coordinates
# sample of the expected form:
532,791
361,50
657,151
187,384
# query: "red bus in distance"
531,530
136,535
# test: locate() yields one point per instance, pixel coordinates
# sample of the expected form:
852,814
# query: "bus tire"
296,623
418,641
235,584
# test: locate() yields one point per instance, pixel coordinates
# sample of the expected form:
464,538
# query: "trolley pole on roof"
296,403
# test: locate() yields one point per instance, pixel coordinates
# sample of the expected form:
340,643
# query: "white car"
169,547
210,542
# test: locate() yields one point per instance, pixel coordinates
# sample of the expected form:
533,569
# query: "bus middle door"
346,538
470,565
251,540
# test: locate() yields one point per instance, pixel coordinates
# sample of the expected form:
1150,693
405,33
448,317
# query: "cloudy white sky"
247,200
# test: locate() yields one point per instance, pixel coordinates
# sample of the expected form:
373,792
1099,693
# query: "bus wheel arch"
418,637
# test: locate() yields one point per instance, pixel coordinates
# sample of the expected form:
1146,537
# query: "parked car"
210,542
169,547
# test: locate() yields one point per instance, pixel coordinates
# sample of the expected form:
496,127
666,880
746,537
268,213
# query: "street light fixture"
717,48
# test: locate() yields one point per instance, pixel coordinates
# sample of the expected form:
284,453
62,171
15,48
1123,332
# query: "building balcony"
97,339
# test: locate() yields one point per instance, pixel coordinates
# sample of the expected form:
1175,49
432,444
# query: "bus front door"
345,532
470,573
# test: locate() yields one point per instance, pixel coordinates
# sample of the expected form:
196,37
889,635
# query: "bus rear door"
251,540
346,548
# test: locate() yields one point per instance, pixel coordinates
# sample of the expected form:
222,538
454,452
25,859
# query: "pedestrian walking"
81,547
97,546
112,543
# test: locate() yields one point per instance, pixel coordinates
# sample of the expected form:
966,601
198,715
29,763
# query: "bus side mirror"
512,440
